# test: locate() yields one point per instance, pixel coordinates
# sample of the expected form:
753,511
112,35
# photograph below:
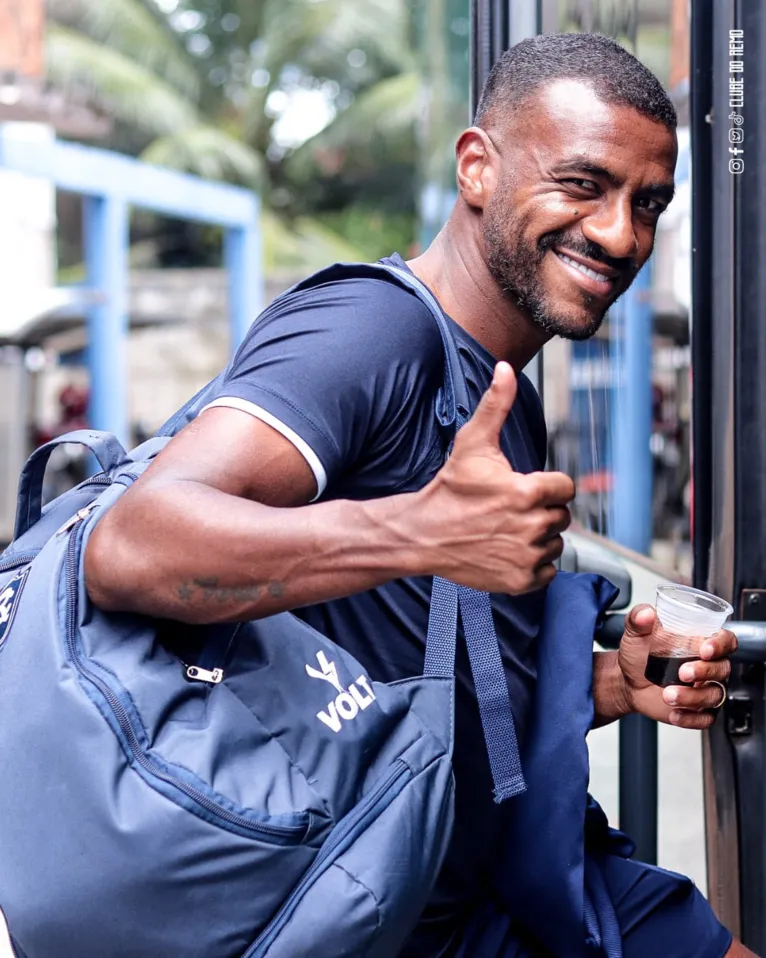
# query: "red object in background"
73,412
595,482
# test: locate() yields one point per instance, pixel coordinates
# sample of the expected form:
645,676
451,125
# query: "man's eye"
582,184
651,206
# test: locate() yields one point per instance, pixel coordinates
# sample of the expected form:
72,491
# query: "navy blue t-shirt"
349,371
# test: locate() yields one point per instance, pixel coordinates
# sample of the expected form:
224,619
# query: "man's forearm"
256,560
209,535
610,701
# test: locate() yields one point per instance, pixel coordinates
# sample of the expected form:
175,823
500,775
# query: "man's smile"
596,278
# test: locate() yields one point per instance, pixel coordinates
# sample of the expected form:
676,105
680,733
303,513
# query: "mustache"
584,247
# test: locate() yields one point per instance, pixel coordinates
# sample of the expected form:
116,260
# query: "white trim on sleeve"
234,402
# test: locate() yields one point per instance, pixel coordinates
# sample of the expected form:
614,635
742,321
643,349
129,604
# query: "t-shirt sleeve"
339,370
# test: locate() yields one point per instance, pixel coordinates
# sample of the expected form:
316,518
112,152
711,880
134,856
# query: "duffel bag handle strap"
475,607
488,675
492,693
105,447
441,640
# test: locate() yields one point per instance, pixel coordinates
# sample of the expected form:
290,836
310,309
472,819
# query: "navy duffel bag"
265,799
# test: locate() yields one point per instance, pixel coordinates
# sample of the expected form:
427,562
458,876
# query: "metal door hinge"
739,715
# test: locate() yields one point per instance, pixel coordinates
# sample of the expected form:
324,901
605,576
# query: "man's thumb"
640,620
489,418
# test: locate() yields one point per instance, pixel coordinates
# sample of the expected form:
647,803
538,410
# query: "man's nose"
611,227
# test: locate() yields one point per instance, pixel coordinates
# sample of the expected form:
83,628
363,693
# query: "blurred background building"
342,116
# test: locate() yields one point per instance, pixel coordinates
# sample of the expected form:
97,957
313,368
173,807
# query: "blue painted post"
631,525
106,260
244,262
631,357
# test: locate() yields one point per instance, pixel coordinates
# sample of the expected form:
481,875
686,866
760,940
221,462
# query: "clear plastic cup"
685,617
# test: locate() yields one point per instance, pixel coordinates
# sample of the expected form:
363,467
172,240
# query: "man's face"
572,217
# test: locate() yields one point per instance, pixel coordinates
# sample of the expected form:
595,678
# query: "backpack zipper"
341,838
77,517
288,834
21,558
196,674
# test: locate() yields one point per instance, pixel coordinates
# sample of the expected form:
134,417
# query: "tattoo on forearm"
209,590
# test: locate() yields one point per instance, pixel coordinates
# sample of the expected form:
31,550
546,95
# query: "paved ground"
681,816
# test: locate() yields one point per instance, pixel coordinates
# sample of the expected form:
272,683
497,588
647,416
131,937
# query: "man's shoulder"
371,313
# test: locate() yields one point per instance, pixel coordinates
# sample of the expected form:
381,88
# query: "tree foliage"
211,87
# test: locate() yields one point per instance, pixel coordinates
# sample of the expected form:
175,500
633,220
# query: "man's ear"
476,175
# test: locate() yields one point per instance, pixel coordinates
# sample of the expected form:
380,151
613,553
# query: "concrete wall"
179,340
169,363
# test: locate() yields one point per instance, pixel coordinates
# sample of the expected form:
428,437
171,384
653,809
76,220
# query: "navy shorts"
658,917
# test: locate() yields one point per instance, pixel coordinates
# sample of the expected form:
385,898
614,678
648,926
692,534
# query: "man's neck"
457,273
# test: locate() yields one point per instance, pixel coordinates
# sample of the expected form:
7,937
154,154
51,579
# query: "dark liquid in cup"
662,670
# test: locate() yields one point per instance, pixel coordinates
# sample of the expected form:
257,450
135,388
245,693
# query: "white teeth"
584,269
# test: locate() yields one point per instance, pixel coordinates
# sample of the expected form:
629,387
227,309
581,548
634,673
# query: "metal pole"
244,263
497,25
481,49
631,525
106,245
638,784
631,350
522,19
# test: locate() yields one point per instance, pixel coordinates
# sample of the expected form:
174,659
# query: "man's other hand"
685,706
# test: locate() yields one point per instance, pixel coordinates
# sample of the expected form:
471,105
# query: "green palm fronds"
319,35
209,152
137,30
380,121
122,88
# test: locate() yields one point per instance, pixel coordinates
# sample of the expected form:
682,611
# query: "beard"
515,264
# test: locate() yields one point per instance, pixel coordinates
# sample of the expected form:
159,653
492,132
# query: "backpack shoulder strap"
454,402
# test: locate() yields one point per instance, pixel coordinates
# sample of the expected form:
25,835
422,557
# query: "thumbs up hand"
486,526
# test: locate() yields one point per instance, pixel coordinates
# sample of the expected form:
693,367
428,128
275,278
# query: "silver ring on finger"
724,692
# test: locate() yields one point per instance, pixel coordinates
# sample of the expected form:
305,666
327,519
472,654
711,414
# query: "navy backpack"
266,799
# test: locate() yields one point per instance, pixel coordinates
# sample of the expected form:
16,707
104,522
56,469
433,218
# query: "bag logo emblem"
348,703
9,600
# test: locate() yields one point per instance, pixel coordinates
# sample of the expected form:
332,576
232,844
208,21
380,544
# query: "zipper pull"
196,674
77,517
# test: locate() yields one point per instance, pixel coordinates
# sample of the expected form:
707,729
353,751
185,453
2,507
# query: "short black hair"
614,75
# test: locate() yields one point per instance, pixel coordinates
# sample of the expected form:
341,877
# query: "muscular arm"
219,529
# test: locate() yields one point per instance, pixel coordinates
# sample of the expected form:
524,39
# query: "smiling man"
314,478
